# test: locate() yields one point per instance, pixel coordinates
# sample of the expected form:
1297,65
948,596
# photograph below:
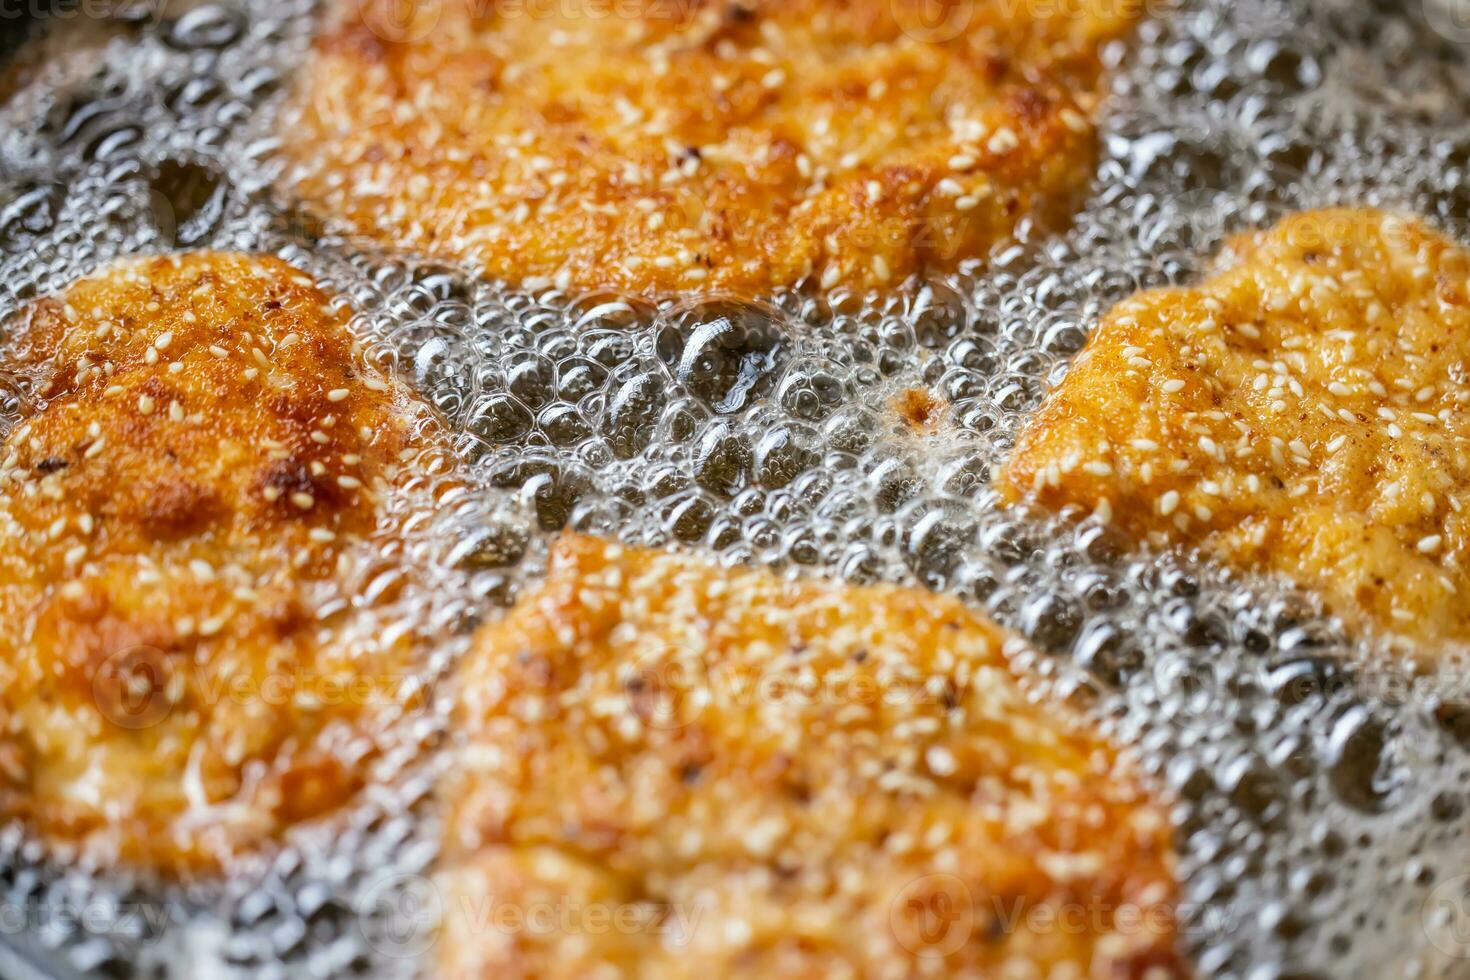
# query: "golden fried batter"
675,770
1303,411
920,409
669,146
181,676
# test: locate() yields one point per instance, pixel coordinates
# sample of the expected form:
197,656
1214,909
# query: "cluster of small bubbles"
1318,795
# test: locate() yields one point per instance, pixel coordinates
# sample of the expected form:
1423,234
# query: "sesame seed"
1074,120
1002,141
940,760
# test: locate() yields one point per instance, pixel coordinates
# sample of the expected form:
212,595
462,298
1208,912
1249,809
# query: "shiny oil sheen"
1321,813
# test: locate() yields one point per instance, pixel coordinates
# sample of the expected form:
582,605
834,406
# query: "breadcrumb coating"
663,147
185,514
677,770
1302,411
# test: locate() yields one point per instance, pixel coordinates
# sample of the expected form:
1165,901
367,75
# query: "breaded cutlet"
191,519
671,769
667,147
1302,411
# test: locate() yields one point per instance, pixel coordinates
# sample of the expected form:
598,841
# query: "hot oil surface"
1321,814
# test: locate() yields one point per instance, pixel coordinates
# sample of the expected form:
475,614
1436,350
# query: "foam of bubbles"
1321,800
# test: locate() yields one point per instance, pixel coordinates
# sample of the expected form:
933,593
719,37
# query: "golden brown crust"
920,410
205,458
767,778
663,147
1302,411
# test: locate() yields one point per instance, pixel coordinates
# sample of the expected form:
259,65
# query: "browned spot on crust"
920,409
176,507
283,482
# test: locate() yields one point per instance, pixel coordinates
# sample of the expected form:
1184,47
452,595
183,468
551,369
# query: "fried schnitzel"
666,146
191,522
1301,411
705,773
